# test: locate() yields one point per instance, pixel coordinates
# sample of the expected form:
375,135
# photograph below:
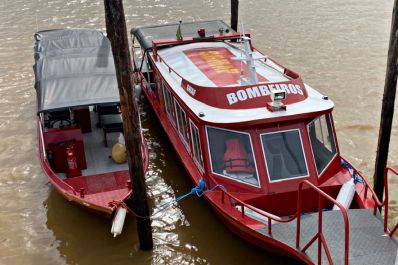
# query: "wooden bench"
111,123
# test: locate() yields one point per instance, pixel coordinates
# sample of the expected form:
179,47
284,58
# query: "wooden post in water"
387,110
234,14
117,34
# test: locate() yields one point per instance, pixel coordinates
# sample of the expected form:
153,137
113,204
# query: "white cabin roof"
185,68
195,72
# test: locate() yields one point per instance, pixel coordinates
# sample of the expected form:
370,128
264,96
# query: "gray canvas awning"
146,34
73,67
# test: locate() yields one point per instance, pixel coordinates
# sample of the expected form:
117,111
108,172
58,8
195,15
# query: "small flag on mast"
178,33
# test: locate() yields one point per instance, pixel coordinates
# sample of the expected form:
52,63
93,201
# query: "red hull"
100,190
330,181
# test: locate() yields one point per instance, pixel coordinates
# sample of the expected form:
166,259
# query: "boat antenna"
37,24
241,51
249,57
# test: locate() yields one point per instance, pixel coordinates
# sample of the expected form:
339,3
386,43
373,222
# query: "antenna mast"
249,58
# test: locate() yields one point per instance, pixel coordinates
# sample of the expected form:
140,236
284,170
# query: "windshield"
322,141
284,155
231,155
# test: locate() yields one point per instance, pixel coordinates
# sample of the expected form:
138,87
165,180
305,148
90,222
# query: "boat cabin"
235,116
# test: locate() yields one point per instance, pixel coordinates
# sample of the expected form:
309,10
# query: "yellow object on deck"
119,153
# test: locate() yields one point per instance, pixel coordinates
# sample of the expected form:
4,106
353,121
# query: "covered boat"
79,125
264,143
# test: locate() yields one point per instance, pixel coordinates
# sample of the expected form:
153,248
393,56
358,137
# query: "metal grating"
368,242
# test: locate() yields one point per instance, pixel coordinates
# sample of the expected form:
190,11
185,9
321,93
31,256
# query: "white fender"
118,221
346,194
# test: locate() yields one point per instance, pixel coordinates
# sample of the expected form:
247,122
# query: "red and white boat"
79,119
264,143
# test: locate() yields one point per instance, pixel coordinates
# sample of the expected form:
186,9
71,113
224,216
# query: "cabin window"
181,122
231,155
168,102
284,155
322,141
197,152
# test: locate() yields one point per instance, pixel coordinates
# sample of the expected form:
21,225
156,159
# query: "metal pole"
234,14
387,110
117,34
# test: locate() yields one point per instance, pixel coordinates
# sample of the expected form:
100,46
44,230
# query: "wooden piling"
234,14
117,34
387,110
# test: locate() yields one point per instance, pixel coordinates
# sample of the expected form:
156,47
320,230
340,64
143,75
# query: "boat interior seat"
111,123
56,142
236,158
106,109
58,118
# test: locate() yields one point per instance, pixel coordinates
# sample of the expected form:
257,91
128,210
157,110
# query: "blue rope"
355,176
199,190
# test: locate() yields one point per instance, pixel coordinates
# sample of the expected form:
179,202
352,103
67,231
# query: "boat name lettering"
191,90
262,91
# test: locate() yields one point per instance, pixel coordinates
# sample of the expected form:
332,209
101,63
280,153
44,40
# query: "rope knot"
200,188
117,203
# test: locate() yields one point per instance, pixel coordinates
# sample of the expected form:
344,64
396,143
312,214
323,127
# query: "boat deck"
97,155
367,240
102,188
104,180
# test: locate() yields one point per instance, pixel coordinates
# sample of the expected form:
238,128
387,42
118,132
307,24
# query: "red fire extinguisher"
73,170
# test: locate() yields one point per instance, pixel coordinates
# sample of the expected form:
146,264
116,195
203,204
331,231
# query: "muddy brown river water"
339,47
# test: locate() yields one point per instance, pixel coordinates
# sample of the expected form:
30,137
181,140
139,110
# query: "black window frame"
196,146
168,99
182,130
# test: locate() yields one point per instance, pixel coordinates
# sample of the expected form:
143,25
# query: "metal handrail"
394,229
244,205
376,199
319,235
